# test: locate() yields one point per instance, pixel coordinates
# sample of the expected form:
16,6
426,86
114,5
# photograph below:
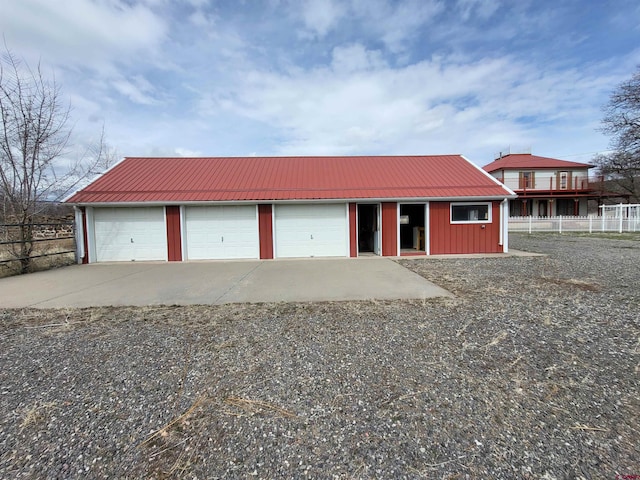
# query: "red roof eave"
532,162
183,180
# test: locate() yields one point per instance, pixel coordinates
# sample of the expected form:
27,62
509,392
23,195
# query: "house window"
520,208
526,180
471,213
564,180
564,206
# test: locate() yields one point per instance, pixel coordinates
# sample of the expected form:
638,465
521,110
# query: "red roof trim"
140,179
519,161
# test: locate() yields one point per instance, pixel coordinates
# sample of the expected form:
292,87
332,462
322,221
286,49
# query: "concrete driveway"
191,283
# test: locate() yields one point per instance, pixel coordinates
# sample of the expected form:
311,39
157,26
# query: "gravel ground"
532,371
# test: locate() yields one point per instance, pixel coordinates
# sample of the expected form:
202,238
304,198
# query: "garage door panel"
218,232
318,230
126,234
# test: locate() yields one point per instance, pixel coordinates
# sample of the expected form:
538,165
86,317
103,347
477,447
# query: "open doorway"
368,228
412,231
542,208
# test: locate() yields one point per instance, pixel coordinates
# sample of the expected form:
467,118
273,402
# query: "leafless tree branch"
34,141
622,123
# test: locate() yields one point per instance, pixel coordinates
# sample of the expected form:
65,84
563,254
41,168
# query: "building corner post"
79,234
504,228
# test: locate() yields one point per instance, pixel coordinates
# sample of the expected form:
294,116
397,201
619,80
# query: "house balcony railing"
575,184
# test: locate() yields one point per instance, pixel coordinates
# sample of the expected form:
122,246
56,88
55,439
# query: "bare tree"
622,123
34,141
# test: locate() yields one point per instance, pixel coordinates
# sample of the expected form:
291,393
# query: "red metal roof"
289,178
518,161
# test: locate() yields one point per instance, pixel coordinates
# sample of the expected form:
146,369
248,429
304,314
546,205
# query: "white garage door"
318,230
222,232
125,234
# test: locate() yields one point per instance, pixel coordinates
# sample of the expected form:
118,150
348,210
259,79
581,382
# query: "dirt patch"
573,282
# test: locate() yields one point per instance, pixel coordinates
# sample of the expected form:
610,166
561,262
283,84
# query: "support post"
621,221
79,234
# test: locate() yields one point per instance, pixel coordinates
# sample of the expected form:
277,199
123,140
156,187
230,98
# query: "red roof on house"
289,178
518,161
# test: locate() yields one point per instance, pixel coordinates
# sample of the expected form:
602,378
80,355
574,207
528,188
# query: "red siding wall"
459,238
389,229
265,227
174,240
353,230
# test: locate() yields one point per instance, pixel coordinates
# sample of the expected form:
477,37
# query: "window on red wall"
470,212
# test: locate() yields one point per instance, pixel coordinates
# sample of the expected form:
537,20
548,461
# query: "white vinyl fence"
614,218
562,224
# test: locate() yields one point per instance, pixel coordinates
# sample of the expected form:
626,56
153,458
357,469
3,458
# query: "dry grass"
36,413
52,247
581,284
529,372
180,419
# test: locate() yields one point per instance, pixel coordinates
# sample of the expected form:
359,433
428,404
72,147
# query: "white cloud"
185,152
137,89
351,58
396,22
82,32
482,9
359,104
198,3
336,76
392,22
200,19
320,16
404,20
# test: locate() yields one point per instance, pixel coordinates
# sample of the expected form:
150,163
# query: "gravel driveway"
532,371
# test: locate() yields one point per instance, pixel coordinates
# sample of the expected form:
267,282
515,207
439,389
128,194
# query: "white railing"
575,183
562,224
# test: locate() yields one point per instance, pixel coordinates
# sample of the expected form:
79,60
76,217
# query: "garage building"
178,209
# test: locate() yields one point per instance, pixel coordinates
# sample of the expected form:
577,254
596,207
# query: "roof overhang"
175,181
490,177
302,200
96,177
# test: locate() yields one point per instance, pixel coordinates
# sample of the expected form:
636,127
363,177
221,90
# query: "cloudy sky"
333,77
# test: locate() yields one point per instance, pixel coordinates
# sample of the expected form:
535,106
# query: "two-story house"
545,186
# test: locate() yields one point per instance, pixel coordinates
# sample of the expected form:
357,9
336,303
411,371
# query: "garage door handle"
132,240
222,239
311,237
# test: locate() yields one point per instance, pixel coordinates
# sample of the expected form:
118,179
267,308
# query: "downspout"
501,223
79,230
504,225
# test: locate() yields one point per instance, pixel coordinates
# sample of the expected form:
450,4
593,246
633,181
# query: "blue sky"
333,77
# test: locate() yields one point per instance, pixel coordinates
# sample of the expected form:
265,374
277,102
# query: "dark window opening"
520,208
412,231
368,228
470,213
564,206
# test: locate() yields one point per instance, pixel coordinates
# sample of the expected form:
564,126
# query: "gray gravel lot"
532,371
